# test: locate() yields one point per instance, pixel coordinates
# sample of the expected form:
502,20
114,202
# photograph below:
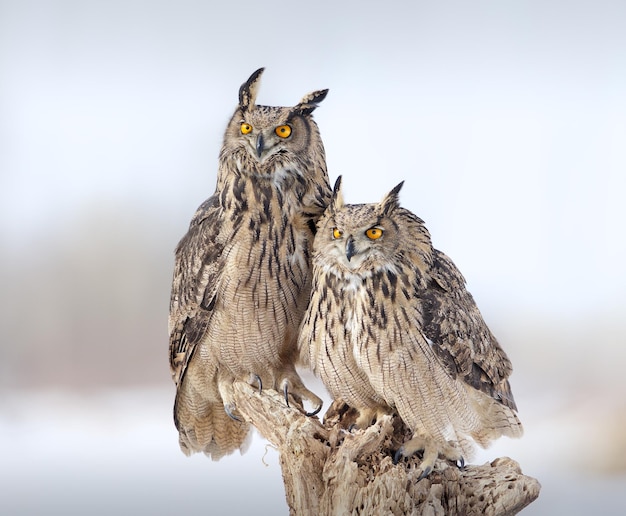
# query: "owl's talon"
398,455
460,463
314,412
425,473
293,387
228,408
308,414
425,468
259,382
286,392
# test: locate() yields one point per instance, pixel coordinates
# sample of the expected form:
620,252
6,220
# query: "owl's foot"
294,388
432,449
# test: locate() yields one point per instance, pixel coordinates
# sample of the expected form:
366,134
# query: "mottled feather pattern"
464,342
391,326
382,317
242,273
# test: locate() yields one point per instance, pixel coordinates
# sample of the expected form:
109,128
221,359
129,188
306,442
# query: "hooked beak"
350,248
259,145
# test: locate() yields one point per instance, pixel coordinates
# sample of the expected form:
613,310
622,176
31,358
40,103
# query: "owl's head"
266,138
364,238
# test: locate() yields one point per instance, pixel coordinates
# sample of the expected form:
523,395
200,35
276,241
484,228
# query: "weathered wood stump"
329,471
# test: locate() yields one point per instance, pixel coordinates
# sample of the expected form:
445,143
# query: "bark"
330,471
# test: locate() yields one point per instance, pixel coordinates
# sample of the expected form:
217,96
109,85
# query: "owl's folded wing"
459,335
197,270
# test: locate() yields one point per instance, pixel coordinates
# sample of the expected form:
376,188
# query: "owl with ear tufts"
391,328
242,272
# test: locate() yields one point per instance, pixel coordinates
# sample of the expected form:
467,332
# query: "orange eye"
337,233
374,233
246,128
284,131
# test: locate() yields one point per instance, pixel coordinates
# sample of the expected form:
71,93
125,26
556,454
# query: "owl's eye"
374,233
337,233
246,128
284,131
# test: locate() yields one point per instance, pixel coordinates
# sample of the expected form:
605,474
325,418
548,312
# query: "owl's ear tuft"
248,90
310,102
336,202
391,201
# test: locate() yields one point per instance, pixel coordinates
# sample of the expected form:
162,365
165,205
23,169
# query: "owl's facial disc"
263,138
265,143
357,249
356,256
348,249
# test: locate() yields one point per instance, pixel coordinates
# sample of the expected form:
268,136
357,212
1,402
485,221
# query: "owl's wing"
459,335
197,269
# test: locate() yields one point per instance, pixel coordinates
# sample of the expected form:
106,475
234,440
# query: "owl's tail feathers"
496,420
204,426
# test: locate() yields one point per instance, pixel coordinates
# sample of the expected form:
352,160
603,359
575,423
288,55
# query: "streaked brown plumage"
242,272
391,327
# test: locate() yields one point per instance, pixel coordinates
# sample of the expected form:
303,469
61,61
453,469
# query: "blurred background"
507,120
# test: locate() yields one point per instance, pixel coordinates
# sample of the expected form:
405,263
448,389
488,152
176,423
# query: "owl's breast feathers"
299,179
257,231
380,310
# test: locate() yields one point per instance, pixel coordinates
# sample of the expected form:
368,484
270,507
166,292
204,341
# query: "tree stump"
330,471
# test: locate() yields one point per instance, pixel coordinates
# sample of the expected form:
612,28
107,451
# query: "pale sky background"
506,119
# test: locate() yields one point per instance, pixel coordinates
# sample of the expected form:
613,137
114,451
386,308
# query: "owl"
242,273
391,328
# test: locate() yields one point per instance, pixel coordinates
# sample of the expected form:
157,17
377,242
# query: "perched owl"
242,273
390,327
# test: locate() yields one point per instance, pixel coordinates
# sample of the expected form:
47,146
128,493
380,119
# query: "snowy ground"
116,452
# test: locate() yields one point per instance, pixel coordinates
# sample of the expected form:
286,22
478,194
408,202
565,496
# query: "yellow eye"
374,233
246,128
284,131
337,233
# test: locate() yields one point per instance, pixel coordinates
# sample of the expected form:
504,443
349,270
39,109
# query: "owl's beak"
350,248
260,145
